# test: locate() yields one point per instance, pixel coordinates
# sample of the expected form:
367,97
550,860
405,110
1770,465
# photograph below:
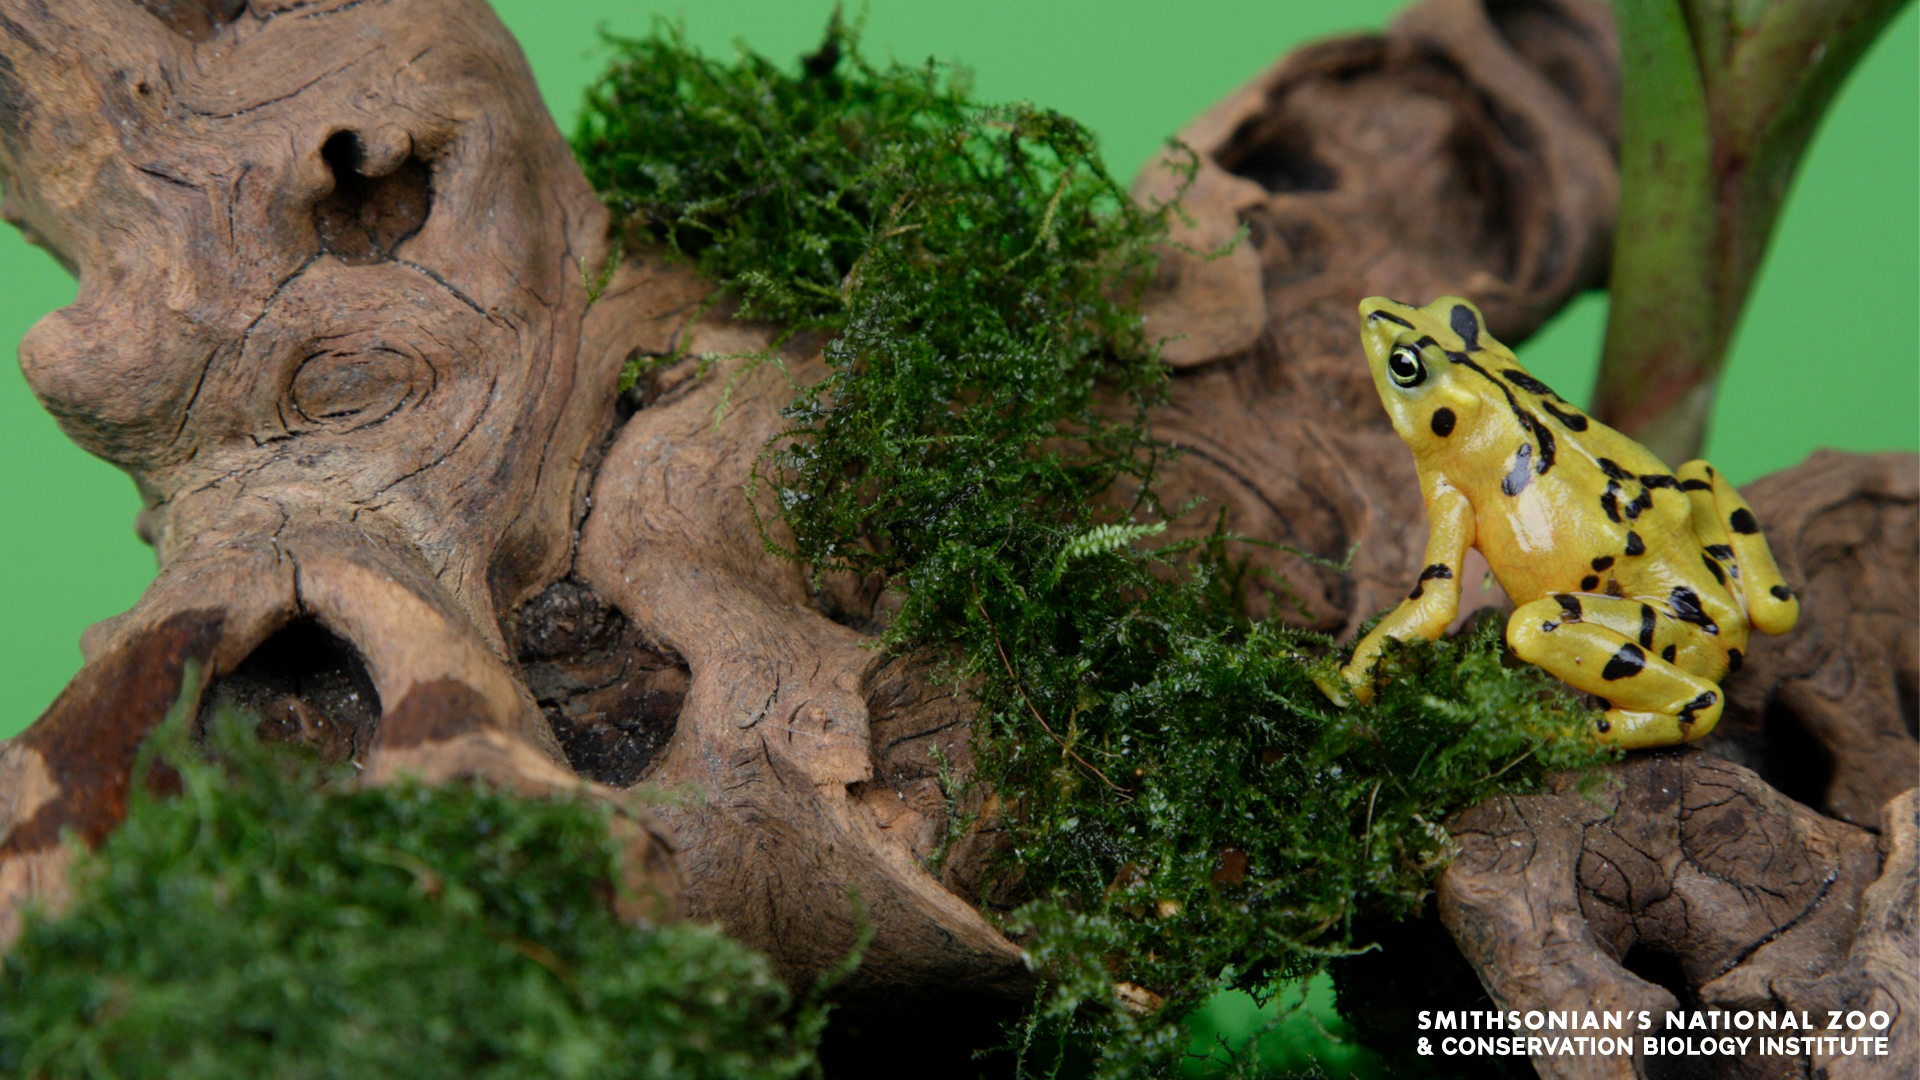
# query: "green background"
1828,354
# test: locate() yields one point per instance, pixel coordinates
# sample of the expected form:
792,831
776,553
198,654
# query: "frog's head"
1427,395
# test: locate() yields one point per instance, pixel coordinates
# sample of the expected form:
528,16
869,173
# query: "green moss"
977,263
1189,812
277,921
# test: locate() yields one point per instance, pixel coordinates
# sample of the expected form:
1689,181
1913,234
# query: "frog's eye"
1405,366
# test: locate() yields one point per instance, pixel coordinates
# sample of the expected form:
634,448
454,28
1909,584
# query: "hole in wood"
1907,687
612,697
1794,761
1279,157
366,218
195,20
308,686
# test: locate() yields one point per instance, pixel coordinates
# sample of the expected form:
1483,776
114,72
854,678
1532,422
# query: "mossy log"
342,315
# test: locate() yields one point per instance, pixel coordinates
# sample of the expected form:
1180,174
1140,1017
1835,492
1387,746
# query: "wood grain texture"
334,317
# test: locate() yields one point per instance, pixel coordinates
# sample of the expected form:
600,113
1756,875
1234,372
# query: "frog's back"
1582,508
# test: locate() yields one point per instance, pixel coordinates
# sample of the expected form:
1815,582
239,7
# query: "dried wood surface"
334,318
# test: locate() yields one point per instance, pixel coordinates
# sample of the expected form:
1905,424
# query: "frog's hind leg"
1725,524
1605,646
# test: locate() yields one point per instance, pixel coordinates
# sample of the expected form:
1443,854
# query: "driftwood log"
334,317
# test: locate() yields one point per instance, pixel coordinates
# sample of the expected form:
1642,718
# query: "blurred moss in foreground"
274,920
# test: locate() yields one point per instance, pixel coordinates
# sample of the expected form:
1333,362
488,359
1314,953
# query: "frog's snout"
1379,323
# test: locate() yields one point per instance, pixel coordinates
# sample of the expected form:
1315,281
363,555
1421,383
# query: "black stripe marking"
1443,420
1742,522
1521,473
1646,626
1525,419
1719,575
1626,663
1668,653
1686,607
1603,562
1569,607
1695,485
1612,469
1635,546
1641,503
1390,317
1705,700
1464,324
1610,502
1437,570
1781,592
1721,552
1547,444
1572,420
1735,660
1659,480
1527,382
1602,726
1589,583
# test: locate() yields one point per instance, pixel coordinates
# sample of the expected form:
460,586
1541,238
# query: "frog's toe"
1354,683
1634,729
1334,687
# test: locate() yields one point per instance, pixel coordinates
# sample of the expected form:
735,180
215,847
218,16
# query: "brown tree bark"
338,318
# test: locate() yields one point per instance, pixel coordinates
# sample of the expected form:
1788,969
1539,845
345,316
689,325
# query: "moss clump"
267,923
1191,814
978,265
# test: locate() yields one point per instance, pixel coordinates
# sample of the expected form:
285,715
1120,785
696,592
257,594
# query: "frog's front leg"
1607,647
1435,598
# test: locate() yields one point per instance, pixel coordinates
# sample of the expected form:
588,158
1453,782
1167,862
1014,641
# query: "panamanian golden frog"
1633,582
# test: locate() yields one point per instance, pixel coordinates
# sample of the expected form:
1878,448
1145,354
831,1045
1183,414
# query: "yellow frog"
1633,582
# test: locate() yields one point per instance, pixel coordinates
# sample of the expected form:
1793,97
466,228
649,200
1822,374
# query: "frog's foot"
1651,701
1632,729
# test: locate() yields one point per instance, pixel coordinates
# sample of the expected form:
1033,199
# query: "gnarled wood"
1467,150
1693,872
334,265
334,317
